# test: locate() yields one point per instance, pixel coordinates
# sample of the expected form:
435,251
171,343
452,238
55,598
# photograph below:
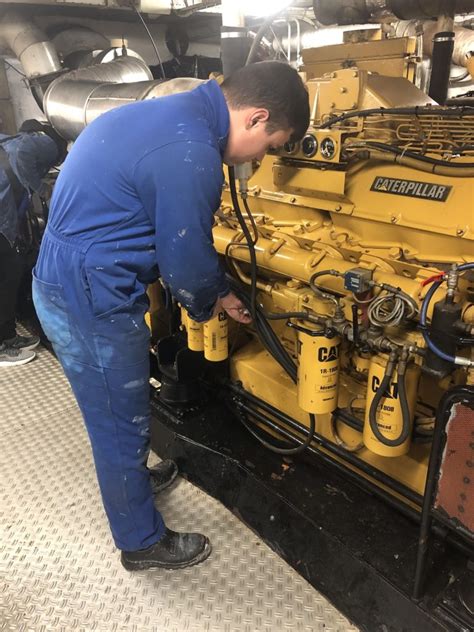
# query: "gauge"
290,148
328,148
309,145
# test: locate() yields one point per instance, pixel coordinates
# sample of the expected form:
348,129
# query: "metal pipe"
463,41
77,98
30,45
443,45
360,11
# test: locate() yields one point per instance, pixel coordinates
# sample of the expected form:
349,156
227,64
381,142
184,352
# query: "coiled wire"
390,310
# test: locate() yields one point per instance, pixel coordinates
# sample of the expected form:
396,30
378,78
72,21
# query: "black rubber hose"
252,221
259,36
266,333
248,239
379,395
286,451
409,154
416,111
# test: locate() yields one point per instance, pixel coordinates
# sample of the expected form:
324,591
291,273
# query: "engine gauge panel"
291,148
309,145
328,148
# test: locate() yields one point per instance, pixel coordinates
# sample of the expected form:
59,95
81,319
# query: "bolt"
293,200
355,73
462,496
272,518
343,90
466,480
305,299
460,509
333,105
469,463
459,232
393,219
338,208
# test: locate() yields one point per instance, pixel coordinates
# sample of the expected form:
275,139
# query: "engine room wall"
23,104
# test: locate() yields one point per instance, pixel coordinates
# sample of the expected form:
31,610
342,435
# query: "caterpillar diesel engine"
353,252
360,241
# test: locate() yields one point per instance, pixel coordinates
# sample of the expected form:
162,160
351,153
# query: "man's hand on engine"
233,308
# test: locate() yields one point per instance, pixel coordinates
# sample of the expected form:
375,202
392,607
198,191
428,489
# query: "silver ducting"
463,42
361,11
75,42
30,45
77,98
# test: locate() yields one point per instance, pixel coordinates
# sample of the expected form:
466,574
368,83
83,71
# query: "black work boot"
162,475
173,551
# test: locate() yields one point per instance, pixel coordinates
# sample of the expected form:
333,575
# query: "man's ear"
261,115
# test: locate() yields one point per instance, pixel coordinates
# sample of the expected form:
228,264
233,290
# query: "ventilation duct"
361,11
75,99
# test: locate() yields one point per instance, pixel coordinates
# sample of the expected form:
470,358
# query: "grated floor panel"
59,569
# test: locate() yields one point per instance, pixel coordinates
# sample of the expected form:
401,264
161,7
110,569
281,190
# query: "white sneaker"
13,357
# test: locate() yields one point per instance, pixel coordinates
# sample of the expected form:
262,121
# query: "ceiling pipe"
30,45
360,11
77,98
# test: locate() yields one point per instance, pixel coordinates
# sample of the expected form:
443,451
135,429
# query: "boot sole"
142,565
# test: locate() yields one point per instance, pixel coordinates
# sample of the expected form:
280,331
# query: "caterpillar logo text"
328,354
391,392
411,188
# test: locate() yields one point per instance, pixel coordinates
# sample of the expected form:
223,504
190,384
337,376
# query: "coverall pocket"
52,311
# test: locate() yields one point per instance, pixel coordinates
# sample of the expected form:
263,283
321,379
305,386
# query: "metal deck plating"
59,569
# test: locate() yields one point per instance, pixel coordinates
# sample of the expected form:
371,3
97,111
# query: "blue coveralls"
25,160
31,156
138,190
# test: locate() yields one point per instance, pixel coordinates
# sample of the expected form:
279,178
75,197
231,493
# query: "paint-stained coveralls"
25,158
135,200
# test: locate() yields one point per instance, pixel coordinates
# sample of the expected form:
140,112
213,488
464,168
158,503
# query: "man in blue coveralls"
25,158
135,200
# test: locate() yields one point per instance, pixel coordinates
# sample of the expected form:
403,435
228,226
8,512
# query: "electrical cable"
414,156
265,331
266,24
248,238
15,69
390,310
418,111
152,40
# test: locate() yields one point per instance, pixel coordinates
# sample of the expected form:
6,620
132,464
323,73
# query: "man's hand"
233,308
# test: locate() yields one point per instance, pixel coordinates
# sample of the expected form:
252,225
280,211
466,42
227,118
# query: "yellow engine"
360,241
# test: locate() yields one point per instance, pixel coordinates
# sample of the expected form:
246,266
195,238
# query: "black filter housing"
442,334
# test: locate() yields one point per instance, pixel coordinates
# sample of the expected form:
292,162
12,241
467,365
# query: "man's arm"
180,188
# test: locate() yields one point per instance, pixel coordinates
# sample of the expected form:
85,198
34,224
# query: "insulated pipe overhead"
74,100
30,45
361,11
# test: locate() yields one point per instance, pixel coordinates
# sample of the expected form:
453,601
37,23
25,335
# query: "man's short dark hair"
275,86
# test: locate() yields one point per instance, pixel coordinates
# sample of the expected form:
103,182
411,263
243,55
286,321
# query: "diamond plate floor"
59,569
